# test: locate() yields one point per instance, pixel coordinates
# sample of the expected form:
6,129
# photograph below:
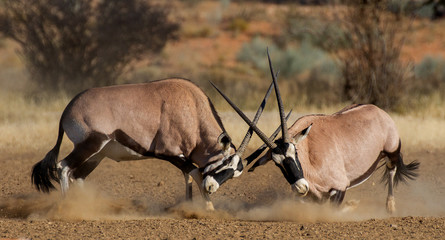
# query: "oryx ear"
302,135
225,141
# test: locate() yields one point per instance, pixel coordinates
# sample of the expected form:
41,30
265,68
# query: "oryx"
324,155
170,119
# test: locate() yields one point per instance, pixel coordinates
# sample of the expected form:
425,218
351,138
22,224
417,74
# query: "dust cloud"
89,203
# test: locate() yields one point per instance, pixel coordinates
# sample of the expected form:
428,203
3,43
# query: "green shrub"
430,75
290,61
254,53
323,87
320,32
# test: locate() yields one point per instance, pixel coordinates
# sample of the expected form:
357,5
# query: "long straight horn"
249,133
261,149
260,134
280,102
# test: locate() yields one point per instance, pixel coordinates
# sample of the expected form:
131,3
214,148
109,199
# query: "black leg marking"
337,198
87,167
188,186
84,150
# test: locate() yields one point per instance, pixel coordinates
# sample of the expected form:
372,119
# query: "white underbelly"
119,152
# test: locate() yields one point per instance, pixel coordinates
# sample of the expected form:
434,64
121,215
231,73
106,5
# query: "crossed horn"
268,141
261,149
249,133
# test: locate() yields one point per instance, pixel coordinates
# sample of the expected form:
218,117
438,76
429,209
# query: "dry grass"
421,133
27,127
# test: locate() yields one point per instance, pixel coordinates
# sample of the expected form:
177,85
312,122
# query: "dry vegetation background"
225,41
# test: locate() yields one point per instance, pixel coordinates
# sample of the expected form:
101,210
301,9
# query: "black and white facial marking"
286,158
217,173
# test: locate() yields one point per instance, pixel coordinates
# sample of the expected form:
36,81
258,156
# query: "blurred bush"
430,76
191,3
290,61
309,74
247,93
321,32
193,31
370,65
254,53
323,86
238,25
72,45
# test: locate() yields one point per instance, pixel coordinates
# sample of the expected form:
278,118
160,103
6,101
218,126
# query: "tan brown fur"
169,117
341,148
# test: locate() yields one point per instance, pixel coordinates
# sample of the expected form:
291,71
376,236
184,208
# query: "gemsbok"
322,156
170,119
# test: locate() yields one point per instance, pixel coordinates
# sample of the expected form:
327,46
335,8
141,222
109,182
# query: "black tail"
46,170
403,172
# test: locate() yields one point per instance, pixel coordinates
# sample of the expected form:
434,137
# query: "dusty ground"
143,200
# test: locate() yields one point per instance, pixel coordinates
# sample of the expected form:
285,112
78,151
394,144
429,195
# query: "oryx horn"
248,136
280,102
263,136
261,149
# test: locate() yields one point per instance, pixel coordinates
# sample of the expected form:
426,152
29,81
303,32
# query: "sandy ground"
144,200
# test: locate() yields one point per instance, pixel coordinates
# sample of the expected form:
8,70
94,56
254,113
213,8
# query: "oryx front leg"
197,176
336,197
188,186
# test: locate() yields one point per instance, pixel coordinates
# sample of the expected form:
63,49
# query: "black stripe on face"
224,175
291,170
290,166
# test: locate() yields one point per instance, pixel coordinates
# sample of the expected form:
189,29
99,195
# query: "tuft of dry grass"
421,133
26,126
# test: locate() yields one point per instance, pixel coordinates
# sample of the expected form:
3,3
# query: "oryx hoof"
209,206
301,187
390,205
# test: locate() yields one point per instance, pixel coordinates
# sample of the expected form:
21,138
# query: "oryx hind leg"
390,173
64,176
71,167
390,201
397,171
391,170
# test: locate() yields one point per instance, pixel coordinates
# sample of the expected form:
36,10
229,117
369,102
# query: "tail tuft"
45,171
403,172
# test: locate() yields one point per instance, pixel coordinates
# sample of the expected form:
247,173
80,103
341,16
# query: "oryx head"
282,151
231,165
